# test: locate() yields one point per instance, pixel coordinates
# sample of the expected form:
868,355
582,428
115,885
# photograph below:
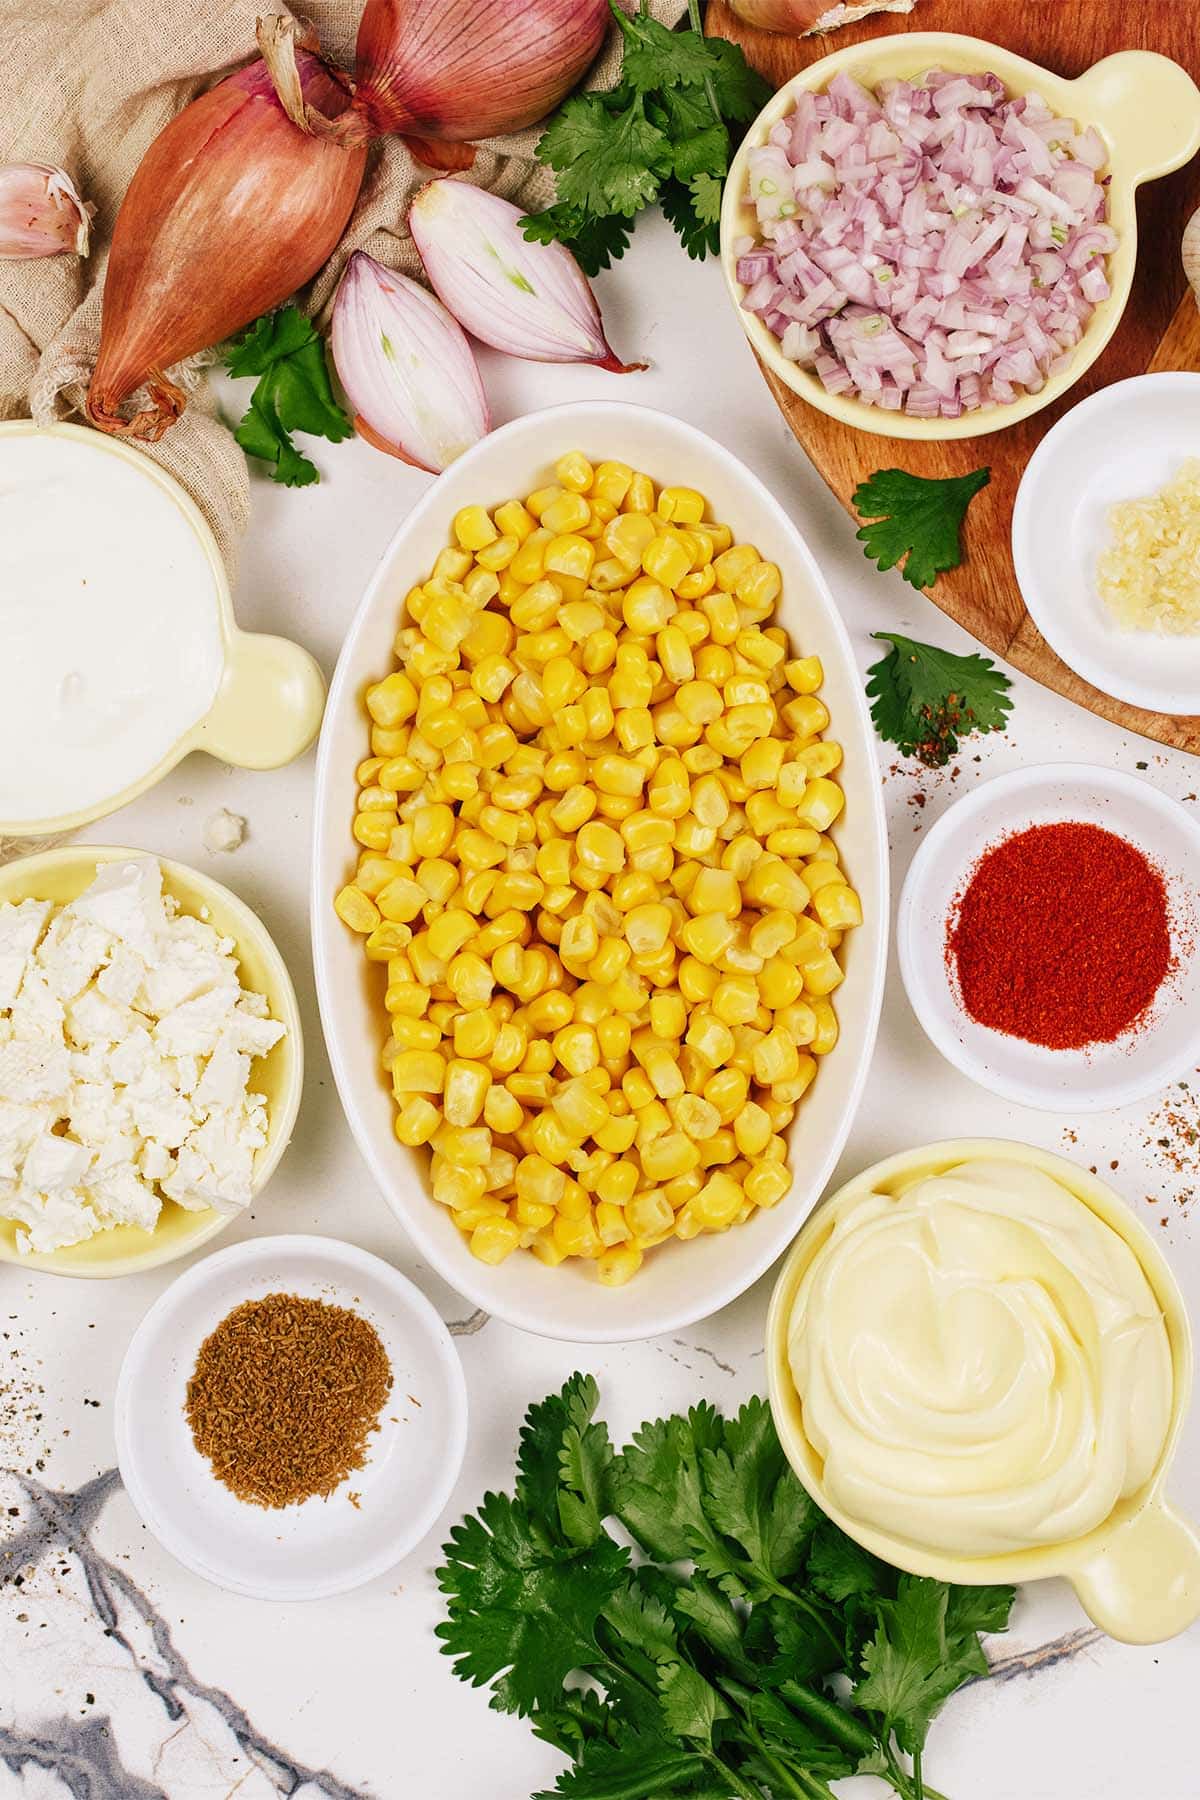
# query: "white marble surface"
123,1675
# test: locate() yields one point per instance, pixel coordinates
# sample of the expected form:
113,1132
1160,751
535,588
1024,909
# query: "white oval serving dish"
679,1283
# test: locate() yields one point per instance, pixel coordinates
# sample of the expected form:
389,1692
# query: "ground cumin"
284,1395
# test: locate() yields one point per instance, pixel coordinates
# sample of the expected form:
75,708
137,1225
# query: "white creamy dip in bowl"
119,651
979,1362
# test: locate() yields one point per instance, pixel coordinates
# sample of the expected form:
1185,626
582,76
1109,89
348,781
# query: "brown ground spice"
284,1395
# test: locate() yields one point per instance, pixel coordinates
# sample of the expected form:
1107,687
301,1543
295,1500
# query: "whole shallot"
460,69
232,208
527,299
41,214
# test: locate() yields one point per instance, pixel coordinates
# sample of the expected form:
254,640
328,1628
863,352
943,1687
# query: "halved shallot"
232,208
527,299
407,368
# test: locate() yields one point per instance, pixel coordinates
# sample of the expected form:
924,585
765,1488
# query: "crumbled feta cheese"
20,928
224,831
126,1049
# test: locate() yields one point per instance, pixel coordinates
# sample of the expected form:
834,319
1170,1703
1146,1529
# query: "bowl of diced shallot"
926,236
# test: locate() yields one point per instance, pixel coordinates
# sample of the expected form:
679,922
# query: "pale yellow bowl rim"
1107,1204
1146,107
261,728
19,880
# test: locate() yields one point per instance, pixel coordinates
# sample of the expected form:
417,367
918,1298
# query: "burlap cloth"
87,84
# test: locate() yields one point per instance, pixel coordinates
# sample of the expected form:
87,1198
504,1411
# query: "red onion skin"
460,69
231,209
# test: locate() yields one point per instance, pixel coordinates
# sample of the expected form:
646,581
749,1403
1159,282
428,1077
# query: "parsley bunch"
924,699
664,133
712,1684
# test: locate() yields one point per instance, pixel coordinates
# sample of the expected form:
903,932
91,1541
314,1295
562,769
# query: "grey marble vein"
1044,1656
88,1766
470,1325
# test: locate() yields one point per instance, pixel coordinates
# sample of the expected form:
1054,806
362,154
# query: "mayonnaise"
110,644
981,1363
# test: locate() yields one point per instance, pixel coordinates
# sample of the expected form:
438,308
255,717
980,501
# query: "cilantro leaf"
753,1496
595,243
658,1491
911,1665
691,1705
839,1568
917,518
924,699
974,1609
539,1455
705,1610
706,191
293,394
577,1718
639,1765
699,239
658,58
519,1608
642,1621
607,155
585,1462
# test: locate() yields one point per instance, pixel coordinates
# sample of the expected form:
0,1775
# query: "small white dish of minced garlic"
1105,517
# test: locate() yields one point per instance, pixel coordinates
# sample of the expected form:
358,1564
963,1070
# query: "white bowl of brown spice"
291,1418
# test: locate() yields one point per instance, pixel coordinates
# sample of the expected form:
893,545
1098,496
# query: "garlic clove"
41,213
406,366
527,299
1191,253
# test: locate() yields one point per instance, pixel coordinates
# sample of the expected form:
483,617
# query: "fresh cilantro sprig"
784,1660
665,133
916,517
293,394
924,699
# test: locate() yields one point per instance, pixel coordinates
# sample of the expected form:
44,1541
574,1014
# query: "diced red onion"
933,247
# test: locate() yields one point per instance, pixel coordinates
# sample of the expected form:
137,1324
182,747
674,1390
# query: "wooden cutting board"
1160,329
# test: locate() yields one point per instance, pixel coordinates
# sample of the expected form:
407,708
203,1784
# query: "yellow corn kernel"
767,1183
502,1112
537,1179
762,762
617,1183
757,648
514,520
710,1037
758,589
715,891
574,472
727,1090
675,655
611,1226
599,847
666,559
568,554
681,505
695,1116
735,1000
466,1089
641,496
546,1250
775,1058
700,702
391,701
646,606
402,899
718,1203
373,828
579,1107
618,1265
649,1214
475,1034
356,909
837,906
822,801
473,529
471,1147
419,1072
416,1121
670,1155
663,1071
668,1014
410,1033
494,1239
647,928
696,980
568,513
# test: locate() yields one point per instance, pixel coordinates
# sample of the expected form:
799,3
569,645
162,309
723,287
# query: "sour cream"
110,642
981,1363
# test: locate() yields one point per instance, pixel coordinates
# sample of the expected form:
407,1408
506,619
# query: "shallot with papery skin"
461,69
931,247
530,300
232,208
41,213
809,18
406,366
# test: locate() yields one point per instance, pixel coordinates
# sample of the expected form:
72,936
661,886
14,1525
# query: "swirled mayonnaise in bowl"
979,1362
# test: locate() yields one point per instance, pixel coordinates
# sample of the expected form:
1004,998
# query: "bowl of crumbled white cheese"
151,1060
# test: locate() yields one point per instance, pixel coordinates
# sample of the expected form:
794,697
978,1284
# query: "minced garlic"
1149,575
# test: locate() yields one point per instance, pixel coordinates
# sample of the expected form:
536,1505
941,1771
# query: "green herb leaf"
658,1491
917,518
664,133
911,1665
519,1605
638,1766
643,1622
840,1568
691,1705
540,1449
293,394
924,699
754,1498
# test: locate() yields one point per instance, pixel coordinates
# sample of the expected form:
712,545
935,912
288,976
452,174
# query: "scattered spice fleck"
285,1393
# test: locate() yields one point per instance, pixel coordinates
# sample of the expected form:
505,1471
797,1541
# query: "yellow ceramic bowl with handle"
270,694
1138,1574
61,875
1145,107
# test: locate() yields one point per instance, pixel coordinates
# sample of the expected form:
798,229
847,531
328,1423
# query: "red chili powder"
1062,936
